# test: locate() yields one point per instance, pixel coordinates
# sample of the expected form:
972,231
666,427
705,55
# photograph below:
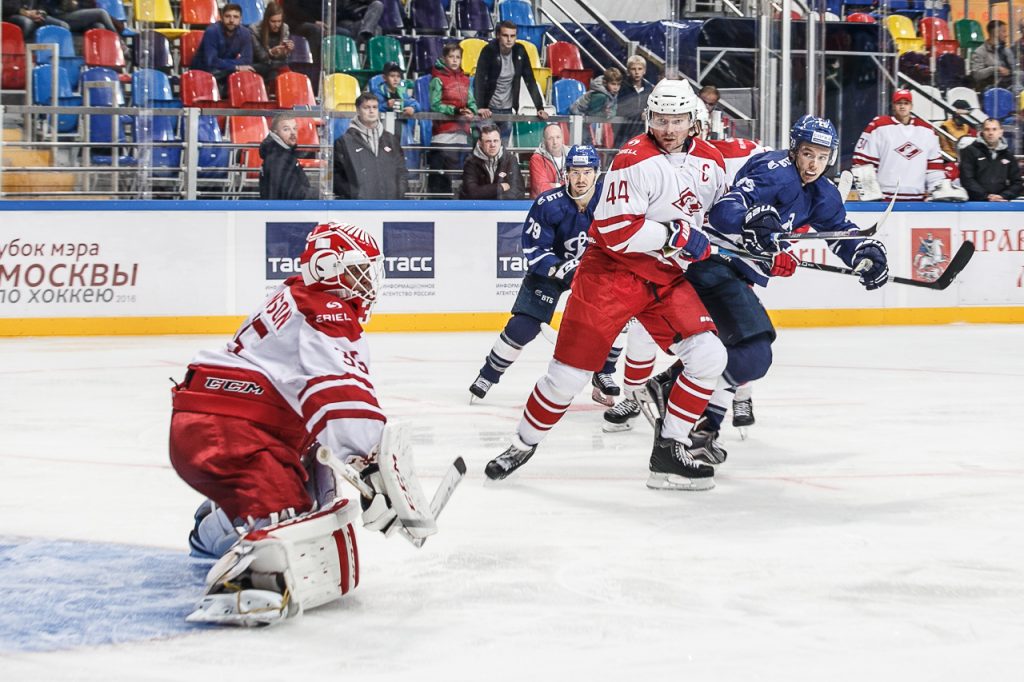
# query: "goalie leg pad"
284,569
865,179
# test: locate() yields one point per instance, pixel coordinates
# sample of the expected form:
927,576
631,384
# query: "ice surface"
869,528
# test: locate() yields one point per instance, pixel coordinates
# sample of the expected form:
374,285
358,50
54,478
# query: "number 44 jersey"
645,190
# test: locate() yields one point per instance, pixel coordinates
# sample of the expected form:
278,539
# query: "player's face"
670,130
811,161
580,180
903,108
288,130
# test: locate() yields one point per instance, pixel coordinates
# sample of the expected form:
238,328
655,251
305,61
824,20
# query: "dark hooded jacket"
281,176
985,171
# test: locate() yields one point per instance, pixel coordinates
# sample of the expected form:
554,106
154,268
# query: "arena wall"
105,268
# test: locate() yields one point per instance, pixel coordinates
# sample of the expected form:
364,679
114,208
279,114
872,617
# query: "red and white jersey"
735,151
904,154
645,190
308,346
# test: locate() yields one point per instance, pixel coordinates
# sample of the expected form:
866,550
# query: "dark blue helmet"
814,130
582,156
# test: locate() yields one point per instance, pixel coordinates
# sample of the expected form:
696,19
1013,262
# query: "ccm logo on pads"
233,386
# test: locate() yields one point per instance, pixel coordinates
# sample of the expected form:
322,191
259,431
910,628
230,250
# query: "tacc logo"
510,262
409,250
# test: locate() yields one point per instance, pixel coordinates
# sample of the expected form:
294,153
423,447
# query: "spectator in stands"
491,172
709,95
992,61
392,95
957,126
601,100
548,162
281,176
225,48
79,15
502,66
633,98
359,18
271,43
304,18
25,15
988,168
449,94
368,160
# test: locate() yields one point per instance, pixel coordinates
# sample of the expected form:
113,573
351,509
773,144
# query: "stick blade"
956,265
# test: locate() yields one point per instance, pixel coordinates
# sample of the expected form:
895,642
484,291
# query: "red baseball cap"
902,95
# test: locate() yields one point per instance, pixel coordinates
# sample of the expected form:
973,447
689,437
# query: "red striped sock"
541,413
686,403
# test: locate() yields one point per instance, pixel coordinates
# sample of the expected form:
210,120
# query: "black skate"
518,454
743,415
620,417
653,397
605,389
673,468
479,388
704,445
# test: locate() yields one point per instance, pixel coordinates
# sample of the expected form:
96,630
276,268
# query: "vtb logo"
409,250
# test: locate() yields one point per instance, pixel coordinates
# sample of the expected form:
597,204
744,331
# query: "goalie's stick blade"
956,265
456,472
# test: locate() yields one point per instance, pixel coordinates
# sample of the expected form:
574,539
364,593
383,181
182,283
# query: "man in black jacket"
368,160
503,63
491,172
281,176
988,169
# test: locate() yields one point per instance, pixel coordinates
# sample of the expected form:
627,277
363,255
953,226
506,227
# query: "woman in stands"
271,44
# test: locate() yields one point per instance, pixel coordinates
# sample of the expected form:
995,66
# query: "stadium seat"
950,71
338,128
531,52
152,51
391,21
938,39
158,12
346,54
150,129
340,92
152,88
426,50
471,48
564,93
101,126
528,134
294,90
199,12
997,103
861,18
246,90
252,11
69,59
563,56
42,94
199,89
103,48
300,60
970,96
383,49
211,157
521,13
428,16
13,76
251,131
472,16
115,8
189,46
308,136
543,77
903,34
969,35
421,90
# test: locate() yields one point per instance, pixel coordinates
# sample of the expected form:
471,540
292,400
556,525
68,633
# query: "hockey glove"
870,263
690,243
761,224
565,270
784,264
377,511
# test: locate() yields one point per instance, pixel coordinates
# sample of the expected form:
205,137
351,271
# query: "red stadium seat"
13,77
189,44
563,56
938,37
103,48
861,18
294,90
199,12
248,130
247,91
199,89
308,135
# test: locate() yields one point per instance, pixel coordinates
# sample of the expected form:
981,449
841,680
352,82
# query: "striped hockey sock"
504,352
686,402
543,410
638,371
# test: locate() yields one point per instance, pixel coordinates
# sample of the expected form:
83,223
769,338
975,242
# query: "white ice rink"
871,528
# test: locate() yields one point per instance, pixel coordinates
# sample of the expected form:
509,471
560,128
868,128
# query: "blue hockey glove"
565,270
870,263
691,243
760,225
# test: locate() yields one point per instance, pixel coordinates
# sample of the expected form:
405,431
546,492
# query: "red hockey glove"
784,264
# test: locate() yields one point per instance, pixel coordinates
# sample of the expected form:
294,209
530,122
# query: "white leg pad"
279,571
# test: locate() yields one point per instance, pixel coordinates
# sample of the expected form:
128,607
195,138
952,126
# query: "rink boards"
83,268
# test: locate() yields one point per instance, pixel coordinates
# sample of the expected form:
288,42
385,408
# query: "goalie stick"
452,477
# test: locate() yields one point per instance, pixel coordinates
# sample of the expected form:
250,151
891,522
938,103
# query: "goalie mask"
346,261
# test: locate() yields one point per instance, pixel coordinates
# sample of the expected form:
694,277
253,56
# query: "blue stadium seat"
472,16
210,157
565,91
429,16
338,127
252,11
42,92
115,8
100,125
159,129
421,91
391,21
69,59
426,50
997,103
152,88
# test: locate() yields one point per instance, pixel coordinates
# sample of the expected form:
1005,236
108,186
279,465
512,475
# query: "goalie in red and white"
246,418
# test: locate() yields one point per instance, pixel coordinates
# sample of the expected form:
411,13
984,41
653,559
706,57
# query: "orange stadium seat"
189,46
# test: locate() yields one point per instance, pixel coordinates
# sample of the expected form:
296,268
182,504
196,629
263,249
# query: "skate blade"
609,427
743,432
602,399
659,481
649,411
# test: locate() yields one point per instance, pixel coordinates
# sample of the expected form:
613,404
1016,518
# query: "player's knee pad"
562,382
749,360
283,569
522,329
703,355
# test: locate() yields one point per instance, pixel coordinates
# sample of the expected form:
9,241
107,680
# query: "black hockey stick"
843,234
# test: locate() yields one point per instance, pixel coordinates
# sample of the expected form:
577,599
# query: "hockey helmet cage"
816,131
346,260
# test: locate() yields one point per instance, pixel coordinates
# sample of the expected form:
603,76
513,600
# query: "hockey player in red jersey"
296,373
646,231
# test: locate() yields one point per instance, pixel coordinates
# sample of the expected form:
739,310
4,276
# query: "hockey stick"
842,234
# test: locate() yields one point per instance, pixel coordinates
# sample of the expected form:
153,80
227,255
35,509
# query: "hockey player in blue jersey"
775,192
554,237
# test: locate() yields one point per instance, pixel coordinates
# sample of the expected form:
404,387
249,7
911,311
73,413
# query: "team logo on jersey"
687,202
908,150
509,261
930,252
409,250
284,243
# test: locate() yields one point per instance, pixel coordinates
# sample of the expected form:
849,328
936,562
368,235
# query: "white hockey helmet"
672,97
344,260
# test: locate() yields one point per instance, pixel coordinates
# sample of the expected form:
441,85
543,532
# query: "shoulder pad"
633,152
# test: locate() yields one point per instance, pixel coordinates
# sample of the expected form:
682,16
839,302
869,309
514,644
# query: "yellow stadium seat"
340,92
531,51
158,12
543,77
903,34
471,48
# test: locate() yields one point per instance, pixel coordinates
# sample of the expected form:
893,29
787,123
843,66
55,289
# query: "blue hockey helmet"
817,131
582,156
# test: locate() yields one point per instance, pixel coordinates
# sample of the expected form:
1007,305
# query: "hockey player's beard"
584,198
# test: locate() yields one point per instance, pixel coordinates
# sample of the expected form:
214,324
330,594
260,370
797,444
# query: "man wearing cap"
957,127
898,155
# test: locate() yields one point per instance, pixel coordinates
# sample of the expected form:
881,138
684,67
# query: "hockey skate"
654,395
743,415
620,417
674,468
478,389
517,454
605,389
704,445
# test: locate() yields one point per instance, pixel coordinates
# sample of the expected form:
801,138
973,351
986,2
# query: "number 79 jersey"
645,190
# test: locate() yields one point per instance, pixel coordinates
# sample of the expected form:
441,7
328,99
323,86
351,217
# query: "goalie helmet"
816,131
346,261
